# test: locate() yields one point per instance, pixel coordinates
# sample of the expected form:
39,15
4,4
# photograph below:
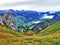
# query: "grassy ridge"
51,29
49,36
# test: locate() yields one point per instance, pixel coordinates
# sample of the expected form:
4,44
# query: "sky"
36,5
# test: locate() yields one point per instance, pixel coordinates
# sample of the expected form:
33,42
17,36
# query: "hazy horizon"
36,5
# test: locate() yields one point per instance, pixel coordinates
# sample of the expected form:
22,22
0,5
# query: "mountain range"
23,19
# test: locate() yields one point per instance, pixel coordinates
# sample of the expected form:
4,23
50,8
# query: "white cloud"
38,5
37,22
52,2
30,7
47,8
11,1
23,7
47,17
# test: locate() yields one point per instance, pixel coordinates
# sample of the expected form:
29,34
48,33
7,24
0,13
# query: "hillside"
8,36
49,36
51,29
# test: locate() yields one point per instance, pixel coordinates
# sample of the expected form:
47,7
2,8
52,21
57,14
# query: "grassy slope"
49,36
51,29
8,36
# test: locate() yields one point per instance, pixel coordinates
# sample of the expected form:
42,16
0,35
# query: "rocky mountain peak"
8,21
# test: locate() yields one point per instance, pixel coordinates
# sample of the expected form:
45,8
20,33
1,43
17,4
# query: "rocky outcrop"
42,25
8,21
1,21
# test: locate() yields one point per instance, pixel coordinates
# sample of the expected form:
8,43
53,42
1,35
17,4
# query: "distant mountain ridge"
25,18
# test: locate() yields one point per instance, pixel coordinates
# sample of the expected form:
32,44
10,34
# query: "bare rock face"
1,21
41,26
8,21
